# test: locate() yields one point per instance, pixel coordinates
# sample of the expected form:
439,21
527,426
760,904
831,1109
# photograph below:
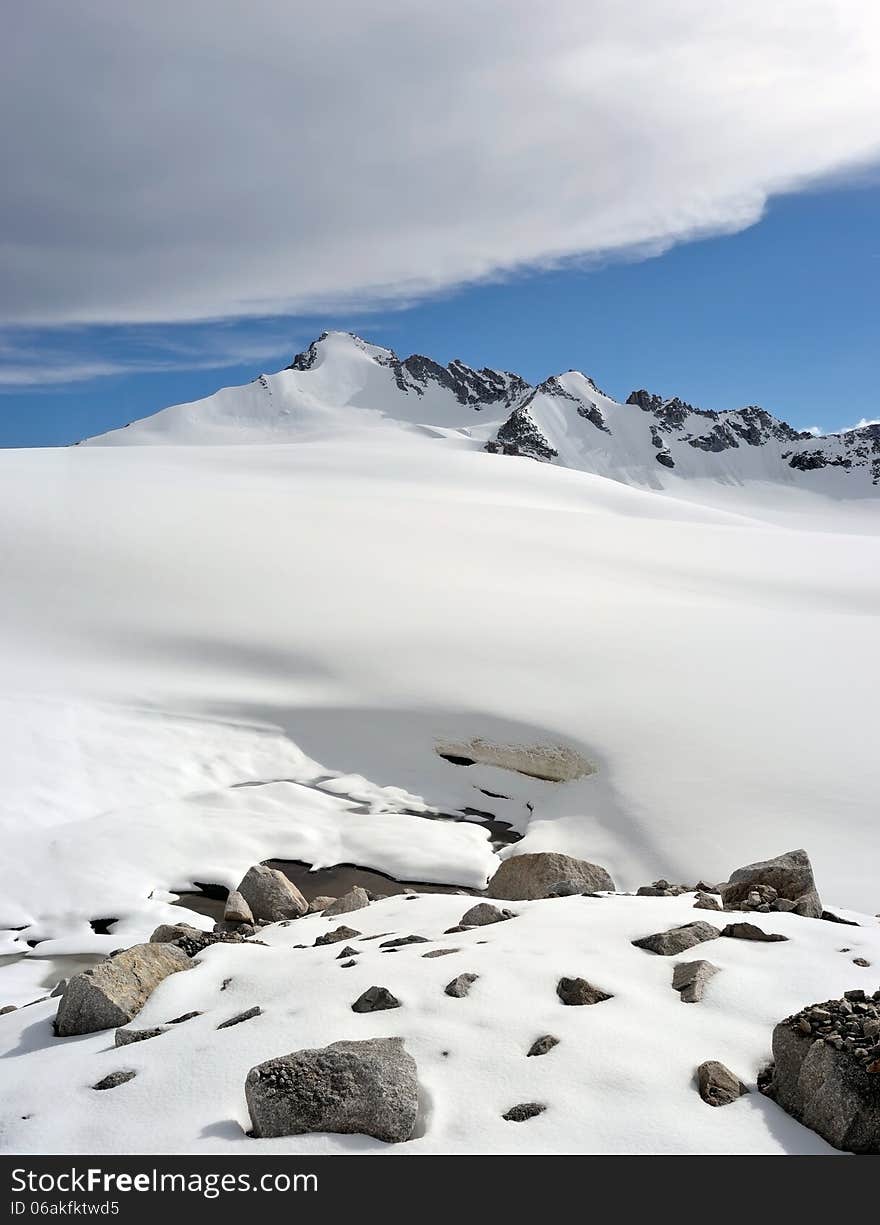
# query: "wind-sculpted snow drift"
343,616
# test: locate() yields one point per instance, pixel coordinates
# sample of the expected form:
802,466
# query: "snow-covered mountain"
342,383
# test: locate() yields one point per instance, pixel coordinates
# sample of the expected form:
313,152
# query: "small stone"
186,1016
678,939
125,1037
8,1008
542,1045
461,985
440,952
114,1080
691,978
860,961
526,1110
375,999
452,931
483,913
577,991
256,1011
749,931
348,951
346,965
717,1084
400,941
334,937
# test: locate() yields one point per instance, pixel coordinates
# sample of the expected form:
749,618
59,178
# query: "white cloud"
171,161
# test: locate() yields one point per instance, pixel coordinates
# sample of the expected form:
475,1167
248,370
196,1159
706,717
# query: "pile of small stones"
848,1024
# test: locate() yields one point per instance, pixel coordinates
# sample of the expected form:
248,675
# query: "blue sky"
784,313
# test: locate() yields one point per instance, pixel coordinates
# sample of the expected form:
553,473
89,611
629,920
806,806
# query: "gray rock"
564,888
460,986
270,895
113,992
577,991
348,951
370,1088
125,1037
114,1080
524,1111
320,903
542,1045
717,1084
236,909
247,1015
484,913
8,1008
375,999
749,931
791,875
334,937
59,989
706,901
400,941
827,1086
524,877
691,977
169,933
678,939
356,899
440,952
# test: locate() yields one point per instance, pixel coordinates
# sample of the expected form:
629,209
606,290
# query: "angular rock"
125,1037
270,895
113,992
542,1045
678,939
370,1088
826,1072
339,933
375,999
691,977
356,899
440,952
59,989
577,991
170,933
320,903
524,1111
236,909
484,913
114,1080
717,1084
524,877
348,951
750,931
461,985
791,875
706,901
247,1015
8,1008
185,1016
400,941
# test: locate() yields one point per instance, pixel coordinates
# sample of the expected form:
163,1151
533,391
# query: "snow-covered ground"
316,607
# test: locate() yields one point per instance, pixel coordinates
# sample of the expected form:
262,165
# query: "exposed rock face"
790,875
661,888
113,992
355,899
125,1037
320,903
237,909
525,877
678,939
483,913
375,999
717,1084
826,1070
401,941
691,977
577,991
748,931
460,986
270,895
367,1087
247,1015
705,901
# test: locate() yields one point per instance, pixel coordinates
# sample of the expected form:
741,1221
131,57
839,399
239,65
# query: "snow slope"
317,619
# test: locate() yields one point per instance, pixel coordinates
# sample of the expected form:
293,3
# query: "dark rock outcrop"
790,875
678,939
